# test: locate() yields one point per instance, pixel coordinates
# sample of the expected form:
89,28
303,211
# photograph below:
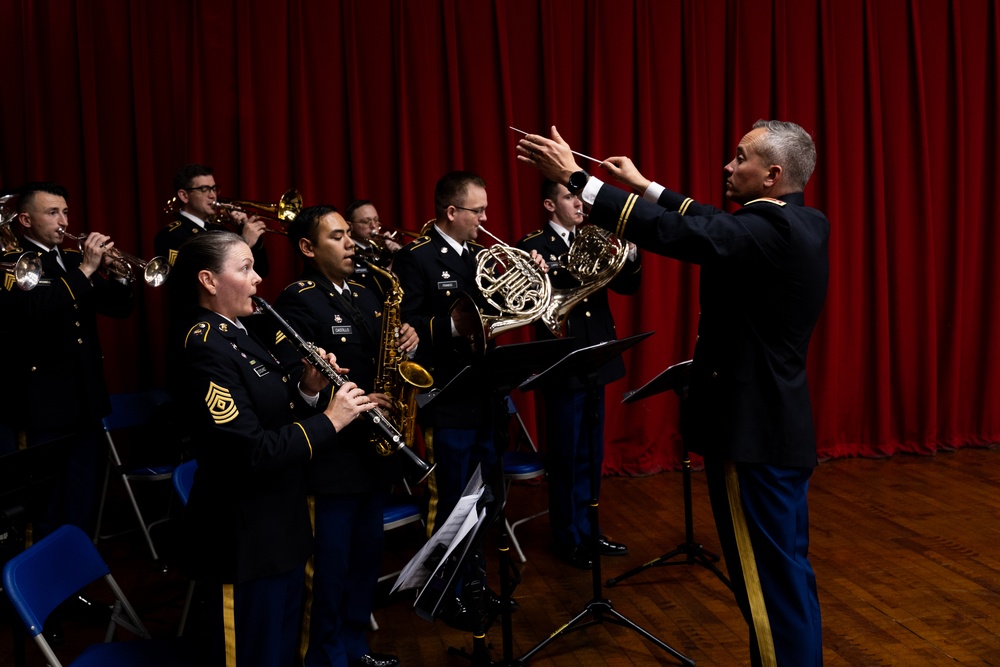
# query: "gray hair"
788,145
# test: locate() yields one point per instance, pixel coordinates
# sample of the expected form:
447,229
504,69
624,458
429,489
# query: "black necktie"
346,293
467,258
572,235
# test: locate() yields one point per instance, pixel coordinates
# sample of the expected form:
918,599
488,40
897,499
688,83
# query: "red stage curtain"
377,99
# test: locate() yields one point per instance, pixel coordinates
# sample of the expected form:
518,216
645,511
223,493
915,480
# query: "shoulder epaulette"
198,331
769,200
356,284
174,225
537,232
300,286
418,242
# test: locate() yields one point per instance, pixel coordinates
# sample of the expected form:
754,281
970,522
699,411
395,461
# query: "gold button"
343,339
714,375
447,293
76,307
80,341
34,368
284,378
585,300
76,323
291,405
587,313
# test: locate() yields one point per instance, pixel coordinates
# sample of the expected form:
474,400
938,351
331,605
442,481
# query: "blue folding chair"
131,410
56,568
183,480
520,465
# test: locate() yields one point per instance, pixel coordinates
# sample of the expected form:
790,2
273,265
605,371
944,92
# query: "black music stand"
675,378
27,479
582,365
502,368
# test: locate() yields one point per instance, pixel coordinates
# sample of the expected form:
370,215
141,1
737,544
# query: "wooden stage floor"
905,552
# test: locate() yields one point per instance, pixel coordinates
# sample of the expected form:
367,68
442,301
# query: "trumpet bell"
156,271
27,270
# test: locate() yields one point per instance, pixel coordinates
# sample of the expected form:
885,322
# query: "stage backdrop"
378,98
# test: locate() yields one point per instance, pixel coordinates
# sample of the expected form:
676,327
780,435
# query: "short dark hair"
451,186
200,252
354,206
790,146
185,175
306,223
549,189
26,193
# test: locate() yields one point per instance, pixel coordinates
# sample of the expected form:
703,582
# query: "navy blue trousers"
346,566
762,516
257,622
457,452
567,462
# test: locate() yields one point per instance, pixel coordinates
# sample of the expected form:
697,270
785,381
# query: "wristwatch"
577,182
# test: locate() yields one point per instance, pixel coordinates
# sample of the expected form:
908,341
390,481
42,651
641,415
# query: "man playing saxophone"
342,317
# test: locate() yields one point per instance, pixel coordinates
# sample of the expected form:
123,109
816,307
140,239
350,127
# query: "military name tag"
447,284
261,371
343,330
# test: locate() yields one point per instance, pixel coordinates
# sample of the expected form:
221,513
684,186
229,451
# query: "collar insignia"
445,275
444,250
337,318
224,328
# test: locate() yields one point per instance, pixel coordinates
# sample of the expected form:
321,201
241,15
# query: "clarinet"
308,350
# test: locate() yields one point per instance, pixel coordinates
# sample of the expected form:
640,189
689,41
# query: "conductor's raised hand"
626,172
552,157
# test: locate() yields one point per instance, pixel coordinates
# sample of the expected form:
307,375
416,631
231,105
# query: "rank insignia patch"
220,404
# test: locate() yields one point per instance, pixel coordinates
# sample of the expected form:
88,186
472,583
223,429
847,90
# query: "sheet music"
462,520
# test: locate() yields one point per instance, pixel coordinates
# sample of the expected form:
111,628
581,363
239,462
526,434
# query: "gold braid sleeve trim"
623,216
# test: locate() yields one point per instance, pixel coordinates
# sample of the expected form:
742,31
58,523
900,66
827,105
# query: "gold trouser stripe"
307,598
229,623
306,434
432,489
758,610
623,216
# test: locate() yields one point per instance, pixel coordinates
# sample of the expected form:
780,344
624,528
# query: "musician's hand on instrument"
407,339
313,381
623,169
552,157
539,261
381,400
253,228
390,244
347,404
95,248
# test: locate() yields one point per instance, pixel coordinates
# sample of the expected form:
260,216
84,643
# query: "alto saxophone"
396,376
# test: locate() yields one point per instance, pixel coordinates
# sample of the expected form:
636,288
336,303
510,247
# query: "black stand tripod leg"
694,553
600,608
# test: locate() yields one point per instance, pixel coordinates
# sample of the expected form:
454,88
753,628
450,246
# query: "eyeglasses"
204,189
374,222
475,211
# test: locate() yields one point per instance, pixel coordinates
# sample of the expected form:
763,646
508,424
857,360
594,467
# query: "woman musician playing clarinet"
254,430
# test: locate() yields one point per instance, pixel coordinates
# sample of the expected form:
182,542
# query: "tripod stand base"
602,610
694,554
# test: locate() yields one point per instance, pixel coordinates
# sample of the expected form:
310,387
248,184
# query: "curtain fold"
378,99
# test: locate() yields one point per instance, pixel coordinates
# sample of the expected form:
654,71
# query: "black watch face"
577,181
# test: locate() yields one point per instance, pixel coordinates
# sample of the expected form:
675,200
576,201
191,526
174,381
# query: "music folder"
435,566
673,378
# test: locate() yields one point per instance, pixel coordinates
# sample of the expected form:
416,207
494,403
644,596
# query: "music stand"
27,478
502,368
582,364
675,378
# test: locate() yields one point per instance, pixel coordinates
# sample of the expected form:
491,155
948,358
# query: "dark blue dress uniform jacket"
247,515
54,374
764,275
434,277
590,322
169,239
320,315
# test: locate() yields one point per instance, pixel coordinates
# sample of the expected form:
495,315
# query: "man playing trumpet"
58,369
196,194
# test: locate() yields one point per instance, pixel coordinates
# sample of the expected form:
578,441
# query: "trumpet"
283,211
385,429
27,270
8,239
123,265
512,284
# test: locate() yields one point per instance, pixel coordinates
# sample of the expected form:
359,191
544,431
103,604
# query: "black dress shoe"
609,548
494,603
375,660
578,556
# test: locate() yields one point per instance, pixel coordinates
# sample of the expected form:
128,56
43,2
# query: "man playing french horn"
345,318
567,461
58,368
